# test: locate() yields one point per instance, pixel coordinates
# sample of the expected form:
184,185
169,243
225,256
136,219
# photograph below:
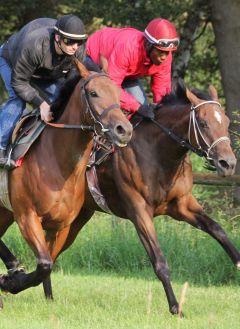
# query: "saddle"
26,131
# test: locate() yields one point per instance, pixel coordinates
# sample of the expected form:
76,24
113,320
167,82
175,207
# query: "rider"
33,65
128,54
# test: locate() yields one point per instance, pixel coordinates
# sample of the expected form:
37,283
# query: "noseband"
198,133
89,109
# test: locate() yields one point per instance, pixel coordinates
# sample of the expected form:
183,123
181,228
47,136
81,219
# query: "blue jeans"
132,86
12,109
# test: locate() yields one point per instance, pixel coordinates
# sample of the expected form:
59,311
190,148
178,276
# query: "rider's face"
158,56
69,49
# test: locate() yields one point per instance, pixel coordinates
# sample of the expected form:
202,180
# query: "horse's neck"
176,119
75,112
74,144
155,147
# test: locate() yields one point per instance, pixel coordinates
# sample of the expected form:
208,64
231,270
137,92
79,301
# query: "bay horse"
152,176
47,191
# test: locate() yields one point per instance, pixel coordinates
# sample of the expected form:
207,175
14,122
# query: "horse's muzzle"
225,166
120,133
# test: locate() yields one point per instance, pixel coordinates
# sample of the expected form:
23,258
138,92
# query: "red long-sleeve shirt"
126,55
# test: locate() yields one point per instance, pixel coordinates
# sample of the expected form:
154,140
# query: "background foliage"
203,64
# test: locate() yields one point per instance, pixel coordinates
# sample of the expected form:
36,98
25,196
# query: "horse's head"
102,98
208,131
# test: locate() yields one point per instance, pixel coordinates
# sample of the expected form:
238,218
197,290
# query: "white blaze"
218,116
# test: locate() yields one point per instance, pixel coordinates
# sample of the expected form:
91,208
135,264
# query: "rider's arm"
161,81
119,63
27,62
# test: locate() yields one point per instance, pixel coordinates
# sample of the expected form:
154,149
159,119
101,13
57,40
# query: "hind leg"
188,209
34,235
10,261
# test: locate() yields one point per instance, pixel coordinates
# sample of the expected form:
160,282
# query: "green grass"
113,301
105,280
110,244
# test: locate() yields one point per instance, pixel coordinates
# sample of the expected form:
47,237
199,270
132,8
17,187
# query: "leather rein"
89,109
193,124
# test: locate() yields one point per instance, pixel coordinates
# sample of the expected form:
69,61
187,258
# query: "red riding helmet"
162,34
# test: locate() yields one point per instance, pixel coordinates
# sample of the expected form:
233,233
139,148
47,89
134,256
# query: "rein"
67,126
180,140
197,133
89,109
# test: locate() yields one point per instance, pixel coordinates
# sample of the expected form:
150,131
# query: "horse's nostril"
120,130
224,164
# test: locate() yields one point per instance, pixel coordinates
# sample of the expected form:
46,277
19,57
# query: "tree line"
209,31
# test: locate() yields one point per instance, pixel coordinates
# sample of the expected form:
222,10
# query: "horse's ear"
192,98
83,71
213,93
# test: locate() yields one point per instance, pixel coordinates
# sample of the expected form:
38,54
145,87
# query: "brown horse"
152,176
47,191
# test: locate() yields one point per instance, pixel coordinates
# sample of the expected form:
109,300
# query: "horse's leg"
188,209
147,233
55,242
75,228
10,261
32,231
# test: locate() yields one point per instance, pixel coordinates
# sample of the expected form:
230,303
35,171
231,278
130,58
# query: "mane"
66,91
177,95
201,94
177,99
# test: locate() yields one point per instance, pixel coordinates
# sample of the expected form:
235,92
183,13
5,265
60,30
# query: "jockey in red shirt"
127,54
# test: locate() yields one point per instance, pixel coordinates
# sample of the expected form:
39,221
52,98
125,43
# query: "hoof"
17,270
3,279
175,311
11,283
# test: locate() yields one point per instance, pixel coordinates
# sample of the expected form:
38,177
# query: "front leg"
145,228
64,240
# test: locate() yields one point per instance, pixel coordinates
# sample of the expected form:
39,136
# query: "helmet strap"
149,47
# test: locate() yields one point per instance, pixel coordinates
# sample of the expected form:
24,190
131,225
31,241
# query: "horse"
47,191
152,176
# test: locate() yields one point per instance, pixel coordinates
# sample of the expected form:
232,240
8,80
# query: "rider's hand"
45,112
147,111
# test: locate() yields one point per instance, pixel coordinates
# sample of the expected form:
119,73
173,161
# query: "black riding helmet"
71,27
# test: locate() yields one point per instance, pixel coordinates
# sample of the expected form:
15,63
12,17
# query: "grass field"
105,280
111,301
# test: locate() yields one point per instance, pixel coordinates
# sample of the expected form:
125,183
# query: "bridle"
193,124
89,109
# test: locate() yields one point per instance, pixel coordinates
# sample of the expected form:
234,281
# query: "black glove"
146,111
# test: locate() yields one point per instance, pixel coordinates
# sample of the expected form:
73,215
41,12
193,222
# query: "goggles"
167,43
70,42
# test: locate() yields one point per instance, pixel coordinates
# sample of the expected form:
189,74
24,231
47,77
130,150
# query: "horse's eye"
93,93
202,124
